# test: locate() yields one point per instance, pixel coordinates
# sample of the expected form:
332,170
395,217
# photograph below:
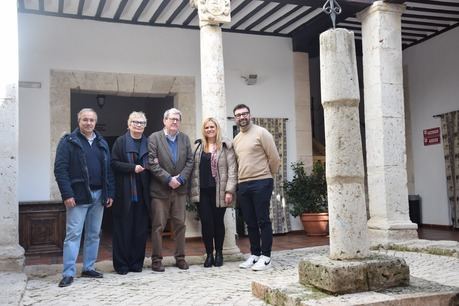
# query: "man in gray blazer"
170,161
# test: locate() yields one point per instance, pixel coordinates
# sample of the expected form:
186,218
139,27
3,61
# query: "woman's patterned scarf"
213,160
133,158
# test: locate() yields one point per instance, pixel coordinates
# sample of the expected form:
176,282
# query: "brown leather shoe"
181,264
157,266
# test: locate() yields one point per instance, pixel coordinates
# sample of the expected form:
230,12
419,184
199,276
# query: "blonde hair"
136,114
218,137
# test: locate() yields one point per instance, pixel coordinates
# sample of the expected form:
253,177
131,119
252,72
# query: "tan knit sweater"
256,154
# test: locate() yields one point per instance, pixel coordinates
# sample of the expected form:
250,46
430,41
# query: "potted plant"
306,195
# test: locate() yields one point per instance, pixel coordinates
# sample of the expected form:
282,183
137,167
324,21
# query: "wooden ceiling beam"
140,10
120,9
177,11
100,9
80,7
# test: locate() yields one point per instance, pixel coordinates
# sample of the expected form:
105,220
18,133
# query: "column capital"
381,6
212,12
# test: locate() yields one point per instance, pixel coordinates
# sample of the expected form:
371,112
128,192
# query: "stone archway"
125,84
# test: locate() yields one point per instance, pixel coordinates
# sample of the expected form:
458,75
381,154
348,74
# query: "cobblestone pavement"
227,285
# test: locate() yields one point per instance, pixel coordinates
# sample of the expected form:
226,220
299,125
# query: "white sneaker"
249,262
263,263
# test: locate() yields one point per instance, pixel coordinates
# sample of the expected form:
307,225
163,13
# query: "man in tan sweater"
258,161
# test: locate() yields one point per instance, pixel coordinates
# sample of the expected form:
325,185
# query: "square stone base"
347,276
420,292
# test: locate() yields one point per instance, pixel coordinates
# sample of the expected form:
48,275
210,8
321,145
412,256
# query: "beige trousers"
172,208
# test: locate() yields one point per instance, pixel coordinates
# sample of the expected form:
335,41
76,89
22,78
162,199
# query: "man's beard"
244,122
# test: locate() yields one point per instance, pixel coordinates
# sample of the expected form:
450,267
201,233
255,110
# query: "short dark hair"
239,106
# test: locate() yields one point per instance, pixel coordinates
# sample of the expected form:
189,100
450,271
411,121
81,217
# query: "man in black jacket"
83,174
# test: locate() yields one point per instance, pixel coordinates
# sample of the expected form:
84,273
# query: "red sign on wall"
432,136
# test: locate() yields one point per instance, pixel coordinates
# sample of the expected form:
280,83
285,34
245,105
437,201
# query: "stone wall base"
383,237
11,258
375,272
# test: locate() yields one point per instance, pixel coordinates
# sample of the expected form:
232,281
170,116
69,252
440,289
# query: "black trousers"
130,234
212,220
254,198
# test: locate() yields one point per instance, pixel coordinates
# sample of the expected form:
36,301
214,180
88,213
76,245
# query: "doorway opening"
112,114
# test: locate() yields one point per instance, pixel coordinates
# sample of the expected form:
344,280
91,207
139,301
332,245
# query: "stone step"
289,292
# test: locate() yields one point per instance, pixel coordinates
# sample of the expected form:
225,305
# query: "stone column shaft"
11,254
214,105
213,75
344,168
303,127
385,123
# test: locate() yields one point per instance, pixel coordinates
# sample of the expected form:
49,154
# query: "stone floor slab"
420,292
227,285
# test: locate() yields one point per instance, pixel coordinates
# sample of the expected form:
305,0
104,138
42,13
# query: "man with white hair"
170,161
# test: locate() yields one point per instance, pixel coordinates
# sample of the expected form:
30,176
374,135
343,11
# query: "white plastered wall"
433,84
47,43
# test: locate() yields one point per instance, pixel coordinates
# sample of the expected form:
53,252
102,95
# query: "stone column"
344,167
348,268
211,14
303,127
11,253
385,124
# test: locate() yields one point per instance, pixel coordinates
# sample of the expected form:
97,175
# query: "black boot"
209,260
218,259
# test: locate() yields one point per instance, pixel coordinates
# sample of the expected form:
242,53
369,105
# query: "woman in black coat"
130,208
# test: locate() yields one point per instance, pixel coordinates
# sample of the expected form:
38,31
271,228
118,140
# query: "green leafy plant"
307,193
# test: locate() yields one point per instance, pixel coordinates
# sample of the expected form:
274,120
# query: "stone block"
348,220
343,149
125,84
388,192
386,100
338,67
347,276
382,236
385,140
11,254
420,293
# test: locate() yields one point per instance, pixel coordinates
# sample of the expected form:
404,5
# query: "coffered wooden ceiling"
302,20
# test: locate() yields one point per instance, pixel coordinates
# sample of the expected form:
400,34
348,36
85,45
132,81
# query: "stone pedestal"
385,124
339,277
11,254
344,168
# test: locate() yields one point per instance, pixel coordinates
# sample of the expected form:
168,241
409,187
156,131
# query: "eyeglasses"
140,123
174,119
240,115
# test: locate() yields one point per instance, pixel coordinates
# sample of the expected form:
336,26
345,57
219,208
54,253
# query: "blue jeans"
255,199
90,216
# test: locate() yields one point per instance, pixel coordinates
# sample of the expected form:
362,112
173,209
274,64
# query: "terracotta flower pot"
315,224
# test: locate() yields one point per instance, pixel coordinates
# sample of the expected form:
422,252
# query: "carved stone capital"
213,12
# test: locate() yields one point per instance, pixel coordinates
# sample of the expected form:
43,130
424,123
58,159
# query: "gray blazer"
162,167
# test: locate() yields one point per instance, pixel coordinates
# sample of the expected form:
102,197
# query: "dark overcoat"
123,169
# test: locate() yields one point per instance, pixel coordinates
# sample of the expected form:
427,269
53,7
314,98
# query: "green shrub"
307,193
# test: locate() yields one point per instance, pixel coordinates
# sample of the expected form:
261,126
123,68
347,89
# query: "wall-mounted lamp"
100,100
250,79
